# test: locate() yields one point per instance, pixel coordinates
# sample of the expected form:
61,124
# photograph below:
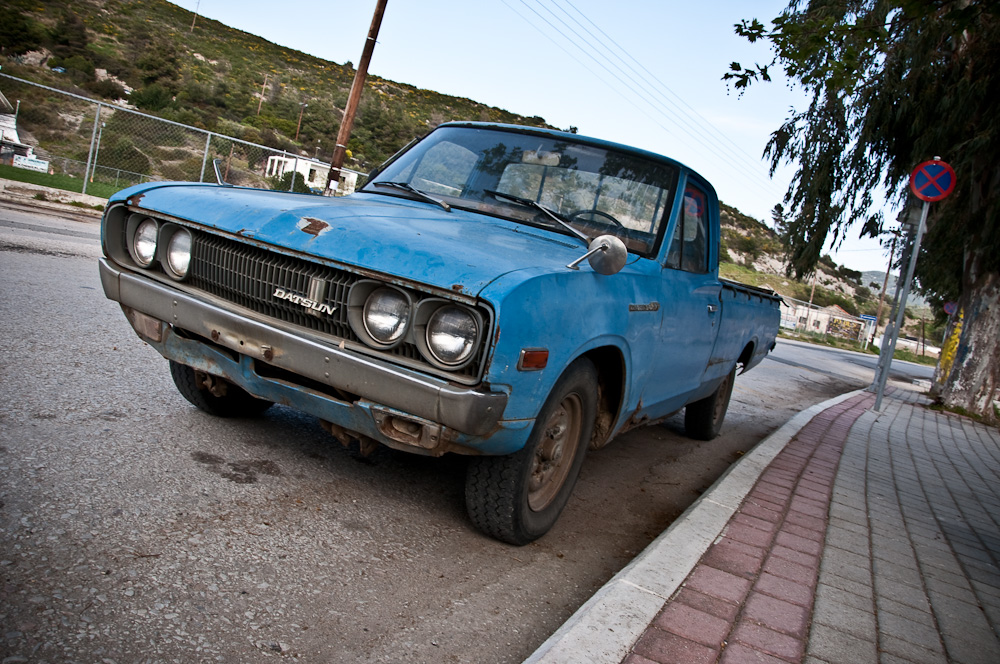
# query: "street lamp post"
302,108
97,150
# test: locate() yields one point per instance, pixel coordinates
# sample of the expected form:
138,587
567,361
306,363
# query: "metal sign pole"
892,333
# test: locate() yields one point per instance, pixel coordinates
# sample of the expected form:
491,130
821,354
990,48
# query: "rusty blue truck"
513,294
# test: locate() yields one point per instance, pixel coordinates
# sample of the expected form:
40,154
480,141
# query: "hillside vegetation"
213,77
144,53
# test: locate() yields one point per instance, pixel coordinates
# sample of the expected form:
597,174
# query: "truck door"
690,301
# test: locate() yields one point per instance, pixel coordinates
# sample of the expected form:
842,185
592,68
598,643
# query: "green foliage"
106,88
19,33
284,183
882,77
154,97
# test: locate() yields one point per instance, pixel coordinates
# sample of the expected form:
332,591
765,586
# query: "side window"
689,245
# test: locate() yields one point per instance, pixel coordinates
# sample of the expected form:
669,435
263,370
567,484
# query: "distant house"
833,320
313,172
10,142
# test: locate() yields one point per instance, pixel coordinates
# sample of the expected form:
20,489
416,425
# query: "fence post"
204,161
90,153
295,170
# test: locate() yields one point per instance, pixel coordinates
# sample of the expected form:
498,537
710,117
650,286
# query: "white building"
312,172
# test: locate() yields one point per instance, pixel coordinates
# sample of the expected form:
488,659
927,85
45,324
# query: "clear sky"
641,72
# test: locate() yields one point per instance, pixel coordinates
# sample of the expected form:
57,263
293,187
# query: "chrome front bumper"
473,412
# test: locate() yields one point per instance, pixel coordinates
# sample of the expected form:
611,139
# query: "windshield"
514,175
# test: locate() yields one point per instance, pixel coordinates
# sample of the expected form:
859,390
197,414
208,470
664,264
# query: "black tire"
703,419
223,399
517,498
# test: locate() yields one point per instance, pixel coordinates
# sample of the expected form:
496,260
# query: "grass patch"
961,412
57,181
848,344
910,356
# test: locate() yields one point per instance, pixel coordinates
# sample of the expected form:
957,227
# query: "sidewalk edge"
605,628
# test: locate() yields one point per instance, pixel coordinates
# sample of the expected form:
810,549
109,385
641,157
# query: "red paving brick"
768,641
749,599
738,653
667,648
735,557
693,624
715,606
718,583
792,571
790,591
779,615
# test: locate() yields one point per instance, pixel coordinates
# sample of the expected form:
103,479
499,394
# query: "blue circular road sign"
932,180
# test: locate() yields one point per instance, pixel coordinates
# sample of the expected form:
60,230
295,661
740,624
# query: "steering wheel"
599,213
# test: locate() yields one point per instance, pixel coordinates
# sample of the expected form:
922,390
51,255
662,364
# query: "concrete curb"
605,628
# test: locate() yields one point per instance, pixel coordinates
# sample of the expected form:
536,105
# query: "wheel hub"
555,453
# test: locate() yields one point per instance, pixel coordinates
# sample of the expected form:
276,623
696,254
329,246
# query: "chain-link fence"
107,147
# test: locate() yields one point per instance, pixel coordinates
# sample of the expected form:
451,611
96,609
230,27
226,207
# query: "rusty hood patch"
312,226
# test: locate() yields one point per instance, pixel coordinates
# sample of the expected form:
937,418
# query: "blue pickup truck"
513,294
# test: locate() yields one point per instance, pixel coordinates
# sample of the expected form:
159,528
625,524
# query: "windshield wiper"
541,208
406,186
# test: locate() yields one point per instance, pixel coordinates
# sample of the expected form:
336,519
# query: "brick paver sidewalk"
870,538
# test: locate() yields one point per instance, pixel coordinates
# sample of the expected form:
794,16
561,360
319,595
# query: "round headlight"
452,333
386,315
179,253
144,242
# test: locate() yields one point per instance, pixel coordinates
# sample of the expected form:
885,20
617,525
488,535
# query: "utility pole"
811,294
302,108
885,283
262,89
339,151
196,8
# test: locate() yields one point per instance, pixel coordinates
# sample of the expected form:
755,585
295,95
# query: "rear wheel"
215,395
703,419
517,498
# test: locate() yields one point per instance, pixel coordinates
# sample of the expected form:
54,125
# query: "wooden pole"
262,89
340,150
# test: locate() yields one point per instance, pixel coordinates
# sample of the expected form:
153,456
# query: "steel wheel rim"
721,402
555,452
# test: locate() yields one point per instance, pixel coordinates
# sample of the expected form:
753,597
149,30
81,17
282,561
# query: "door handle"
712,308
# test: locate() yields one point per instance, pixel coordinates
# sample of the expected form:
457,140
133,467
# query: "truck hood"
458,250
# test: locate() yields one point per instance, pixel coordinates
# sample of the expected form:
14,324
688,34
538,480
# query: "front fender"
569,314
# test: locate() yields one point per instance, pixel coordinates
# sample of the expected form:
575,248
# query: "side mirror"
607,255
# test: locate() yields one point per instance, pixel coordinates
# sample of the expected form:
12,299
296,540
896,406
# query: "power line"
681,120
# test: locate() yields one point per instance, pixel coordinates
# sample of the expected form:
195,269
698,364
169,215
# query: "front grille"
248,276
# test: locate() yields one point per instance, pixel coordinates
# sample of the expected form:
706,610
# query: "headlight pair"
446,334
147,239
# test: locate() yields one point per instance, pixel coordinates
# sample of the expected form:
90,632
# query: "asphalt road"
136,528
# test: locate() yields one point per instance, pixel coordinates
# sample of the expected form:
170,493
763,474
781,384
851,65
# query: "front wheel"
517,498
215,395
703,419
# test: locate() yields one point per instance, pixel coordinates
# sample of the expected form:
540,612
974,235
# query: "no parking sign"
932,180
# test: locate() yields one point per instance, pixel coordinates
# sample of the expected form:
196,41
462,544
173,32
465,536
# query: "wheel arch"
610,364
746,356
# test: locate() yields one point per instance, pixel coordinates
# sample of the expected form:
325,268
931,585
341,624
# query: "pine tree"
893,83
